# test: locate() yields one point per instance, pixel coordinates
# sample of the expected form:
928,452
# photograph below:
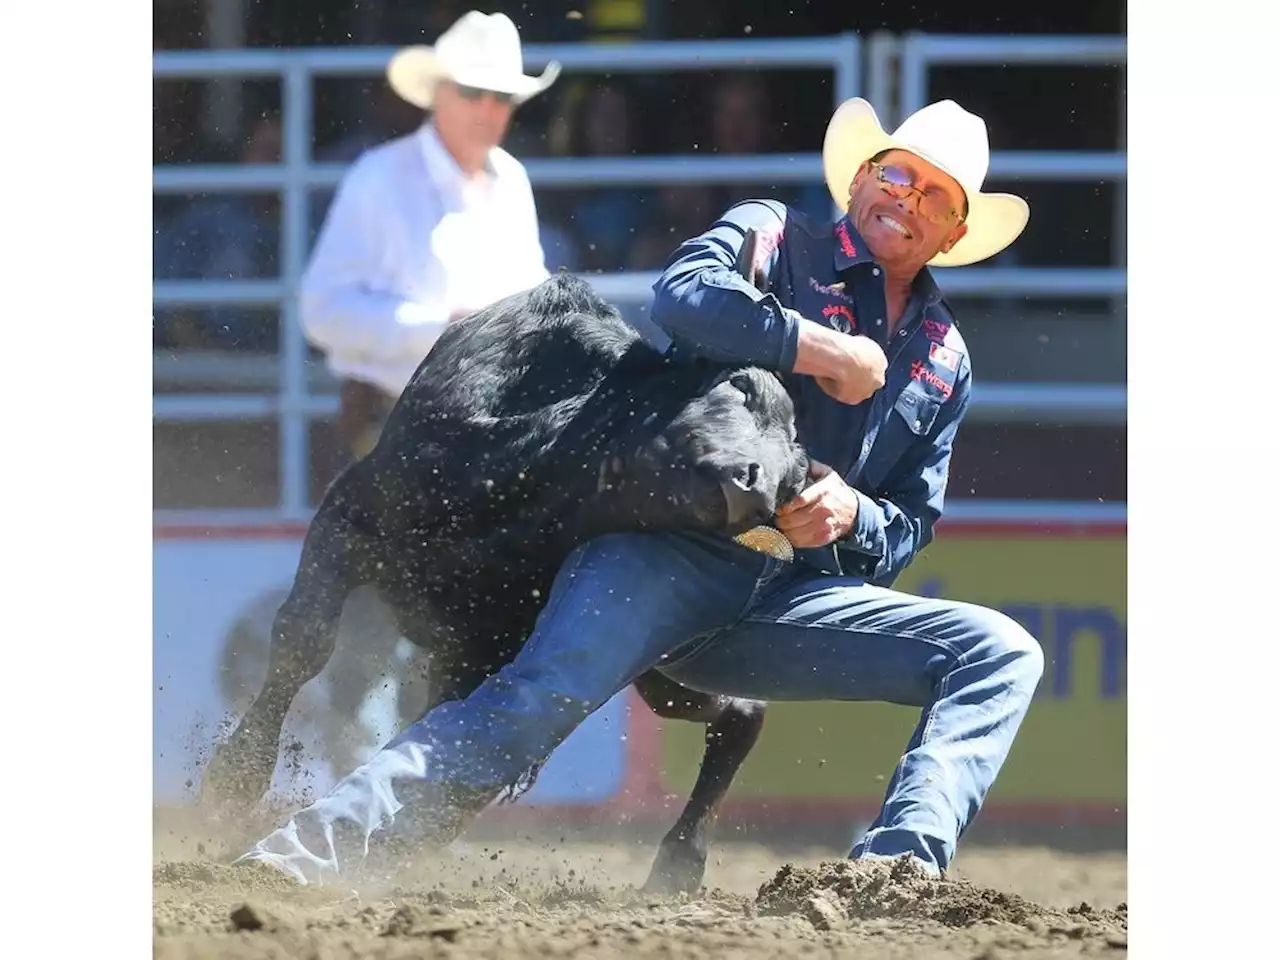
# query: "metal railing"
297,175
1060,404
623,287
294,403
918,53
1049,512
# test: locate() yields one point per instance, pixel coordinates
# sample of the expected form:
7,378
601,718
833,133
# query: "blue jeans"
717,617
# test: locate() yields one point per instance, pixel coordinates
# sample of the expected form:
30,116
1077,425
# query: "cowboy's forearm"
819,352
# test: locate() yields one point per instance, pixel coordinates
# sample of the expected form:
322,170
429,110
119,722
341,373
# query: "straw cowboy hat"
950,138
477,51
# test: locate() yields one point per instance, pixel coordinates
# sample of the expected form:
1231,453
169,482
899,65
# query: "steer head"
723,461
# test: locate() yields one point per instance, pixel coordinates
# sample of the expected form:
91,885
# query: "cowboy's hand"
822,513
848,367
861,371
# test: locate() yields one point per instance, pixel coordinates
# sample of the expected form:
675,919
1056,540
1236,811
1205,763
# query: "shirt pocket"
907,424
916,408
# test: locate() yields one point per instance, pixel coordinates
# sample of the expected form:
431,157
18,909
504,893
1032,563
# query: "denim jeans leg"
971,669
618,606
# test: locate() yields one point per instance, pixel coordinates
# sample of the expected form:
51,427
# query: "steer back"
484,409
545,420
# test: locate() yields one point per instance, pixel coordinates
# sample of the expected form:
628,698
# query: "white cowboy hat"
950,138
477,51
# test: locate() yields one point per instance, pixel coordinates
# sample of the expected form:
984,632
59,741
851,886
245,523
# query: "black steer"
532,426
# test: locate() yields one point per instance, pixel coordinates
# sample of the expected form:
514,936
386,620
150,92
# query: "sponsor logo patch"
920,371
841,317
944,356
834,290
846,241
936,330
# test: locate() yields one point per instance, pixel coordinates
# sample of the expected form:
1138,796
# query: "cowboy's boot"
335,840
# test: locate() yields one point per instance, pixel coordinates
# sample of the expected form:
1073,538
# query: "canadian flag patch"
945,356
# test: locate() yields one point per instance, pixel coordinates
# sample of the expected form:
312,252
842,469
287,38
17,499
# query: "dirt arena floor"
514,900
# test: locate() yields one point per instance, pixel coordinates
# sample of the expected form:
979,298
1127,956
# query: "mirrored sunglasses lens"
475,93
895,176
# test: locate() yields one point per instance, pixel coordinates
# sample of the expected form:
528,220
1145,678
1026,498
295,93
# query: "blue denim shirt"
893,449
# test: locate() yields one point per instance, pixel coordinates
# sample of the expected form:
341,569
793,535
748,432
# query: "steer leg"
302,639
363,667
435,675
457,660
733,726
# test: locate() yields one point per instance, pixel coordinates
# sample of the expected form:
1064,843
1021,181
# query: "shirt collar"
850,250
926,288
443,168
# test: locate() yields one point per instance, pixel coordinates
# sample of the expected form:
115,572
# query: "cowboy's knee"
1018,652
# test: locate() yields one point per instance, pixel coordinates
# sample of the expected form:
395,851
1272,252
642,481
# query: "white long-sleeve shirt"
407,242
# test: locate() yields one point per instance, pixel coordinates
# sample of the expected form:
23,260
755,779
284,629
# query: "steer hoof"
679,867
237,776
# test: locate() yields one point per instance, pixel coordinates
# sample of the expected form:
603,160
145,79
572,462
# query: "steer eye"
743,384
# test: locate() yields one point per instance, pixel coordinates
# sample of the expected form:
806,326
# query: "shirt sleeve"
897,522
702,302
340,308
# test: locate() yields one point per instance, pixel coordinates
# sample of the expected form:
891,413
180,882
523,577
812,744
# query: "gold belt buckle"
767,540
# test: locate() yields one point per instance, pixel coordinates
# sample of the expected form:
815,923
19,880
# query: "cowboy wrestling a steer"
535,425
856,329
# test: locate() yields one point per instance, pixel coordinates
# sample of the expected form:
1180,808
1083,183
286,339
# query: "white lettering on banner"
202,588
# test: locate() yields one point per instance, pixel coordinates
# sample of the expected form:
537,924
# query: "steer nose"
747,504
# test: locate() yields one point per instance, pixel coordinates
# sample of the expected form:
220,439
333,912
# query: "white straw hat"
950,138
479,50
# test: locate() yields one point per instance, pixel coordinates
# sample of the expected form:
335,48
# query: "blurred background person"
428,227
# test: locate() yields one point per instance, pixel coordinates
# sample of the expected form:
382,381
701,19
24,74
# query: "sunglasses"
899,183
476,93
